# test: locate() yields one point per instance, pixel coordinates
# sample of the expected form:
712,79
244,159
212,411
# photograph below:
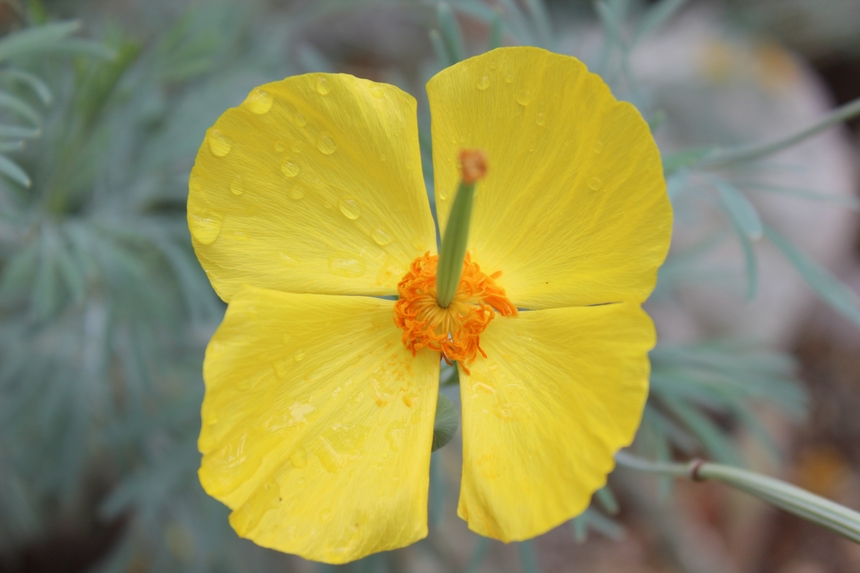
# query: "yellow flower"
318,419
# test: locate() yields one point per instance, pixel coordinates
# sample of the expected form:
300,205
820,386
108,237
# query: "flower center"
455,331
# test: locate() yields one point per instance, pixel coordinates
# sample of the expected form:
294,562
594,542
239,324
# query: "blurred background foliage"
104,311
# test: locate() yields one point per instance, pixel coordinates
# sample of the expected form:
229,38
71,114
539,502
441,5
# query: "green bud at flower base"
473,163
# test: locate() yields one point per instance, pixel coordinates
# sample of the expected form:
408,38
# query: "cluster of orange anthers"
454,331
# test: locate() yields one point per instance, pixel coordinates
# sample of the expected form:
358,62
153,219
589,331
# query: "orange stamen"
454,331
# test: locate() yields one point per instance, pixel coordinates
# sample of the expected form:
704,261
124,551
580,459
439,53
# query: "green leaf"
446,422
16,132
11,170
656,17
686,158
746,221
579,528
19,271
20,107
496,28
478,554
40,88
11,146
607,500
742,212
35,39
828,287
46,291
451,34
528,557
849,202
715,442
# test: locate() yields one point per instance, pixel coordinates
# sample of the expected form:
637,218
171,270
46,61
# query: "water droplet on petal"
598,146
381,237
299,355
322,86
205,225
326,144
300,120
509,78
350,208
280,145
483,83
299,457
377,91
237,186
384,157
259,101
595,184
281,369
348,266
443,194
290,168
541,119
325,515
524,97
296,193
219,144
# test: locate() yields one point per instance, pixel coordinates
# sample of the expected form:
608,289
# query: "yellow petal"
561,391
313,184
317,424
573,210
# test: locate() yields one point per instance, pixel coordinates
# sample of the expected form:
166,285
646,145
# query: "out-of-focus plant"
104,311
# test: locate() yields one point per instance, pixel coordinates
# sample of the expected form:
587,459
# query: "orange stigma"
454,331
473,165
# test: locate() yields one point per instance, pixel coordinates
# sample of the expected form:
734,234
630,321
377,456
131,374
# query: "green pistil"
454,241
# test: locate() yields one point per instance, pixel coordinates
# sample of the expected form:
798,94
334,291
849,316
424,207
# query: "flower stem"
806,505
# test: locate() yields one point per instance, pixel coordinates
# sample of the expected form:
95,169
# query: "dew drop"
296,193
300,120
483,83
598,146
377,91
281,369
259,101
237,186
595,184
350,208
325,515
348,266
280,145
290,168
381,237
384,157
326,144
299,355
541,119
443,194
524,97
299,457
509,78
219,144
205,225
322,86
